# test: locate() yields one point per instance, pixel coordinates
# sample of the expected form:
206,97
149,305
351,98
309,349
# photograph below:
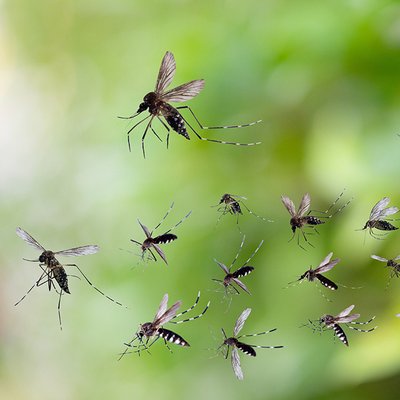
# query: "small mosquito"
331,322
53,269
154,330
395,267
302,218
231,205
237,345
153,242
233,277
326,265
376,218
157,104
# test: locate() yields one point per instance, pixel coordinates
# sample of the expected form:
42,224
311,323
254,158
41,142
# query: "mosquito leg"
254,253
258,334
155,133
253,213
133,127
144,135
237,255
59,309
164,217
176,225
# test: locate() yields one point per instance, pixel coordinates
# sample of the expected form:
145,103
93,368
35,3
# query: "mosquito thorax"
147,243
231,341
227,280
46,257
326,319
146,329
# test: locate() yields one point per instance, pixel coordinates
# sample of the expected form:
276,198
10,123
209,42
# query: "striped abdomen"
326,282
340,334
61,277
243,271
166,238
381,225
172,337
174,119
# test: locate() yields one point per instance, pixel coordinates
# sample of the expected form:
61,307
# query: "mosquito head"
231,341
145,329
46,257
326,320
148,100
225,198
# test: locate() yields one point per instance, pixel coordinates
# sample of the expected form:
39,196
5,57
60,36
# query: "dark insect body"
53,269
234,343
153,242
233,277
392,264
231,204
154,330
376,218
316,274
301,218
332,322
157,104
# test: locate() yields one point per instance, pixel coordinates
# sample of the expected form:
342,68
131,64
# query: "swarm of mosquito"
53,270
377,218
153,243
232,278
332,322
302,219
149,332
235,344
157,103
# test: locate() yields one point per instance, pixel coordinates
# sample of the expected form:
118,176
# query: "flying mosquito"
157,104
53,269
153,242
154,330
231,205
237,345
376,218
331,322
302,218
395,267
326,265
233,277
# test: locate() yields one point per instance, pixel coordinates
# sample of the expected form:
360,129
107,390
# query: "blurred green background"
323,77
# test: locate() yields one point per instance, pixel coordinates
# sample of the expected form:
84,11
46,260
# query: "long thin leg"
237,255
167,128
257,334
144,135
133,127
253,213
191,308
37,283
176,225
254,253
163,218
94,287
216,127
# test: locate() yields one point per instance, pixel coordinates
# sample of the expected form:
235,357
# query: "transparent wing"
348,318
378,207
241,285
237,369
345,312
381,258
289,205
168,315
162,307
166,73
145,229
304,205
223,267
157,248
396,258
79,251
241,320
184,92
388,211
326,264
29,239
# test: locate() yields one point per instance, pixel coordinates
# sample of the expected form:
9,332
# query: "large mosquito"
154,330
238,345
395,267
230,204
325,265
302,218
153,242
376,218
331,322
157,104
233,277
53,269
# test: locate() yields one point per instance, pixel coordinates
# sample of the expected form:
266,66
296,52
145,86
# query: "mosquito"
154,330
237,345
53,269
157,104
233,277
376,218
395,267
153,242
231,205
302,218
331,322
326,265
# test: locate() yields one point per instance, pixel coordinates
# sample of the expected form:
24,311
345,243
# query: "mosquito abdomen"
61,277
174,120
172,337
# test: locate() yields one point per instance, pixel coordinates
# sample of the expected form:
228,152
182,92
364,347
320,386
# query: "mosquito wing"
166,73
304,205
237,369
396,258
348,318
168,315
29,239
241,320
289,205
157,248
378,207
241,285
326,264
381,258
388,211
79,251
222,266
145,229
162,307
184,92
